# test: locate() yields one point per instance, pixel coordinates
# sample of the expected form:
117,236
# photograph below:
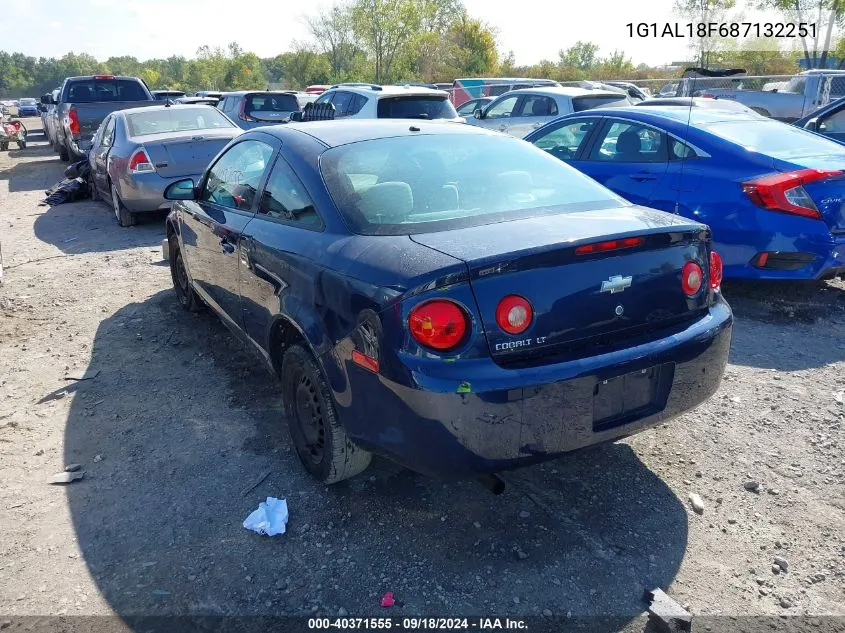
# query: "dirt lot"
179,420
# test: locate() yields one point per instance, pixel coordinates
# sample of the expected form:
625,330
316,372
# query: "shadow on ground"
185,420
89,226
787,326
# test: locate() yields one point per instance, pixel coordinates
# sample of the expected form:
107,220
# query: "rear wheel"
318,436
4,146
188,298
123,215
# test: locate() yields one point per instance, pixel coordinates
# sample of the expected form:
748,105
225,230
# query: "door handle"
642,178
228,247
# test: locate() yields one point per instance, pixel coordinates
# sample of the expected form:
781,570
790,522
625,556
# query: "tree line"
381,41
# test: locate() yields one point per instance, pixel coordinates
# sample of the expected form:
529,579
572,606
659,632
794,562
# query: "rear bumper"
473,416
145,192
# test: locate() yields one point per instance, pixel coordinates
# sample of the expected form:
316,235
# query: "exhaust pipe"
493,483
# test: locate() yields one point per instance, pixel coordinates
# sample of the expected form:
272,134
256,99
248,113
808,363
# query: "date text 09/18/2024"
418,624
722,29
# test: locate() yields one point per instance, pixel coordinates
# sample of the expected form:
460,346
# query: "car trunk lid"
580,300
184,154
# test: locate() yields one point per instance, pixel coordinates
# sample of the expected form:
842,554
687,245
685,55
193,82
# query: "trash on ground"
388,600
696,503
71,188
270,518
666,614
88,375
72,468
66,477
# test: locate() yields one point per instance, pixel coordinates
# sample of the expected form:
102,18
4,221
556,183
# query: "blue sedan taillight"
785,191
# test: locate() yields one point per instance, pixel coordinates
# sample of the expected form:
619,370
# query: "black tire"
21,144
188,298
4,147
63,153
318,436
123,215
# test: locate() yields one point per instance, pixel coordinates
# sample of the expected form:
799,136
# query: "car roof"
158,108
242,93
565,91
342,132
505,80
695,116
389,90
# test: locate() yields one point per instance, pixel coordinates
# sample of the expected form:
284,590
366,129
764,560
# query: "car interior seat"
387,202
629,147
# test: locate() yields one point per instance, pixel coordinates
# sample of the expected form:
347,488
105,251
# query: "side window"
538,105
285,198
341,103
564,141
233,180
356,104
833,124
324,98
680,151
502,108
108,133
625,142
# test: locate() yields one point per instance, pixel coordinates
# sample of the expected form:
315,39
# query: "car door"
213,225
627,157
567,139
280,251
497,116
534,112
100,150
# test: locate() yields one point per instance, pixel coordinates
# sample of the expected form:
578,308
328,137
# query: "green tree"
825,13
384,27
706,11
581,55
333,35
474,49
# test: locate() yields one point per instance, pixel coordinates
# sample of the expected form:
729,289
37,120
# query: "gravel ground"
176,420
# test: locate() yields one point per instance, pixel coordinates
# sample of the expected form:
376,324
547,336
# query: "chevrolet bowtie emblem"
615,284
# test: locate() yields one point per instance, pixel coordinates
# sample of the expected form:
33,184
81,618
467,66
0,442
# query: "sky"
160,28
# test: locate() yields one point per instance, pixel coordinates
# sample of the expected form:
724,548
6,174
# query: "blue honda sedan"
773,194
451,298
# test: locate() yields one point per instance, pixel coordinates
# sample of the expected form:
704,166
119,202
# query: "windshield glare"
419,184
775,139
176,120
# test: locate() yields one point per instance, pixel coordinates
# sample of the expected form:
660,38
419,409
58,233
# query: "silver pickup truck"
83,103
797,97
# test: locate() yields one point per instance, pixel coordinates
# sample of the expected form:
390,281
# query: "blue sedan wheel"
320,441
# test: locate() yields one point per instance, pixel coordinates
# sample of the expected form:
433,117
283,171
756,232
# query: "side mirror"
812,124
47,99
180,190
296,116
478,113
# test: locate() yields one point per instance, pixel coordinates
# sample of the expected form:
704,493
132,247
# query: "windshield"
587,103
93,90
176,120
775,139
418,184
416,107
258,103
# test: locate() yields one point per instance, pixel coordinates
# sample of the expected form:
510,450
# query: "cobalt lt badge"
615,284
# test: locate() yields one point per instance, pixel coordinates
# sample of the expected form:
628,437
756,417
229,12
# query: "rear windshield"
270,103
418,184
587,103
775,139
176,120
92,90
416,107
27,101
167,95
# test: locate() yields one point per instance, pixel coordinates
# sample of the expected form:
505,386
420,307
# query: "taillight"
73,121
140,163
242,115
785,191
691,278
439,324
103,76
609,245
514,314
715,270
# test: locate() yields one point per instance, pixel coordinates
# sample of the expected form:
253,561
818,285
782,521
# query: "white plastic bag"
270,518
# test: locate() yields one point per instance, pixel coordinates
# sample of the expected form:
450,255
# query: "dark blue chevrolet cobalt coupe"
454,299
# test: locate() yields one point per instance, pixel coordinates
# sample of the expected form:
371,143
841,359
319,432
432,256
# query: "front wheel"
123,215
188,298
318,436
4,146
